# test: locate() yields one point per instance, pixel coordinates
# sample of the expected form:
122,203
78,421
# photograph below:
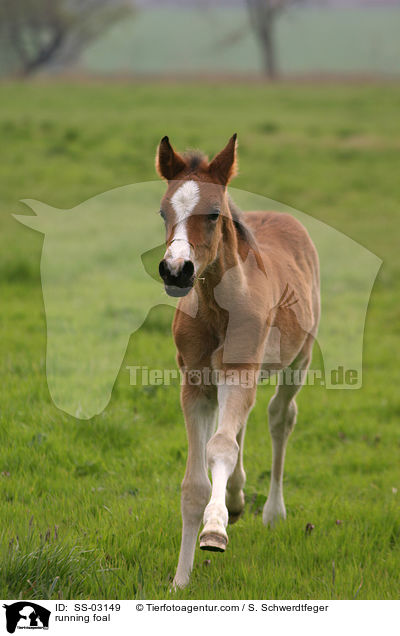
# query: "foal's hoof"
234,516
213,542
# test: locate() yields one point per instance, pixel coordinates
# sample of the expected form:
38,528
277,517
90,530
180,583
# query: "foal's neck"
228,256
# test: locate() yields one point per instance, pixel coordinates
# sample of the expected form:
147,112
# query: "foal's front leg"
235,403
200,415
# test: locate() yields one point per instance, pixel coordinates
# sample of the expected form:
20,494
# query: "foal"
250,302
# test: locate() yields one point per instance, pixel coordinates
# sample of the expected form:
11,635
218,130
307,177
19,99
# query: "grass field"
90,509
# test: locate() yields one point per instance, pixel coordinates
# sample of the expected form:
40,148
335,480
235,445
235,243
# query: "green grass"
91,508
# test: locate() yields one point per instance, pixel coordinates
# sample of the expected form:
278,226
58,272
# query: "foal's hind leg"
282,413
234,489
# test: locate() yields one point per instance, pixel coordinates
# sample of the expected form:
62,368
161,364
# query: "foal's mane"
244,233
242,230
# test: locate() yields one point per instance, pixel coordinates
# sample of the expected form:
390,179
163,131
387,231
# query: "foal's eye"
162,214
213,216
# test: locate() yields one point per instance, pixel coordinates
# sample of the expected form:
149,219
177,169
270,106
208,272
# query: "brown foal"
249,288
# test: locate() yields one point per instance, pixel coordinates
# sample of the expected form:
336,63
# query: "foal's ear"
223,167
168,162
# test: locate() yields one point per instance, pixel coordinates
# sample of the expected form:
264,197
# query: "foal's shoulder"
283,241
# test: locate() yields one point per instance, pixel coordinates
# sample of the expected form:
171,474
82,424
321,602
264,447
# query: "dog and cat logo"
26,615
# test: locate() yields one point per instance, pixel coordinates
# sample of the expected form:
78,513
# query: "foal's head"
193,208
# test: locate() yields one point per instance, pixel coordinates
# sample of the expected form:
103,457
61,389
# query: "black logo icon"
26,615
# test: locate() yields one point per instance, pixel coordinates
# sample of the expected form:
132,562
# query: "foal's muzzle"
178,276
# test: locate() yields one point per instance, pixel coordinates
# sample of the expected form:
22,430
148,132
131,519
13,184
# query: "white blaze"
183,202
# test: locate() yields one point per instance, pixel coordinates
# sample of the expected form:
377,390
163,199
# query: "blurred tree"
37,33
263,15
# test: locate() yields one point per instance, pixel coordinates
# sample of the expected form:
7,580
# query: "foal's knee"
222,448
194,496
281,417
